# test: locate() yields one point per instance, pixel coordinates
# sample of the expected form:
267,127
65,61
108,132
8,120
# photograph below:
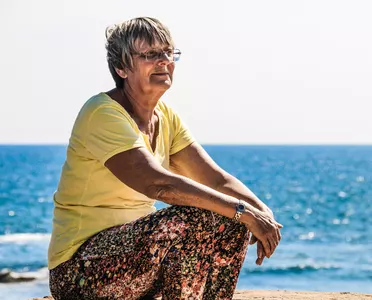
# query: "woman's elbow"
163,192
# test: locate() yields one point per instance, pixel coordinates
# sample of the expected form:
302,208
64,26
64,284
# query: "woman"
126,149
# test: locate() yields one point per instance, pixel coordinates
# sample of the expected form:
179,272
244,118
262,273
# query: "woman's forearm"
222,198
235,188
180,190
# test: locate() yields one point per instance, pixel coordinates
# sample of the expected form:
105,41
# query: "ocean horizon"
322,194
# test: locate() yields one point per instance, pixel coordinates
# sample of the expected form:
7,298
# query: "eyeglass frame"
160,54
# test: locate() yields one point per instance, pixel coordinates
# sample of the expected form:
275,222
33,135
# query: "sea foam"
22,238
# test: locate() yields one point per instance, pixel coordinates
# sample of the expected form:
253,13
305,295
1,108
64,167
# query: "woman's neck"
140,105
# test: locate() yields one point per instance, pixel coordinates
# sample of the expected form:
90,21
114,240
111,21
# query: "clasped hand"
265,231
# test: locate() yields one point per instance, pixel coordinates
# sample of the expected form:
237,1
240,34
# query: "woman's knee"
192,216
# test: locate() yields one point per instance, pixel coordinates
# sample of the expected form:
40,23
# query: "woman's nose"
165,60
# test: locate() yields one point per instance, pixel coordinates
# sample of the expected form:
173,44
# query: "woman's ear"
121,73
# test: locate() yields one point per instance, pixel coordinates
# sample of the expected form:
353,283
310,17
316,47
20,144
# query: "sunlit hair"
121,40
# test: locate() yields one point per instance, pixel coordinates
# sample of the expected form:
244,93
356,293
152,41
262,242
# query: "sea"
321,194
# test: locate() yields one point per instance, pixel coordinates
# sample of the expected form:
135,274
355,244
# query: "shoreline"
286,295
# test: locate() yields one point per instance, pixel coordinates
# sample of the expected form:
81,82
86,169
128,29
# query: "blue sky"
251,72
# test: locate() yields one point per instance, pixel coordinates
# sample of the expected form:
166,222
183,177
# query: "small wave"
21,238
302,268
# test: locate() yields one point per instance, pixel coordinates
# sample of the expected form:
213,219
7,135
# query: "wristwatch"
240,208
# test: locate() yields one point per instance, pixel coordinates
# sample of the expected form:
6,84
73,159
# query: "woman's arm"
138,169
195,163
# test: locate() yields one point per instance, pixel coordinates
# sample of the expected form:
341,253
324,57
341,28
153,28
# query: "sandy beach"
289,295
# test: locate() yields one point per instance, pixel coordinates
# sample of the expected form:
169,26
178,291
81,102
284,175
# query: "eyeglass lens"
156,54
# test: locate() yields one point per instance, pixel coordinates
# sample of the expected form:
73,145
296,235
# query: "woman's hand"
263,227
260,250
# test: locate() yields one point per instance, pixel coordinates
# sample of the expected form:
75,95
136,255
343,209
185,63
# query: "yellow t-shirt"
89,197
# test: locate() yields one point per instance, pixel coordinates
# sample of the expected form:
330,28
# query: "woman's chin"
164,84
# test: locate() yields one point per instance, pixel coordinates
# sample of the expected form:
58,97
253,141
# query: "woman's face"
152,68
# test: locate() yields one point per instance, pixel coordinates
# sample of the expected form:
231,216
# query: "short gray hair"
121,40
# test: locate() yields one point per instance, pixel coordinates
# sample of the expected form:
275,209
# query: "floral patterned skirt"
177,252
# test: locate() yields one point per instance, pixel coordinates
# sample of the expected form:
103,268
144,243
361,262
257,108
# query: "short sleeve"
110,132
182,135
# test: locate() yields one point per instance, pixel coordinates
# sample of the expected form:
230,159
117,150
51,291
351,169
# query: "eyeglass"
155,54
